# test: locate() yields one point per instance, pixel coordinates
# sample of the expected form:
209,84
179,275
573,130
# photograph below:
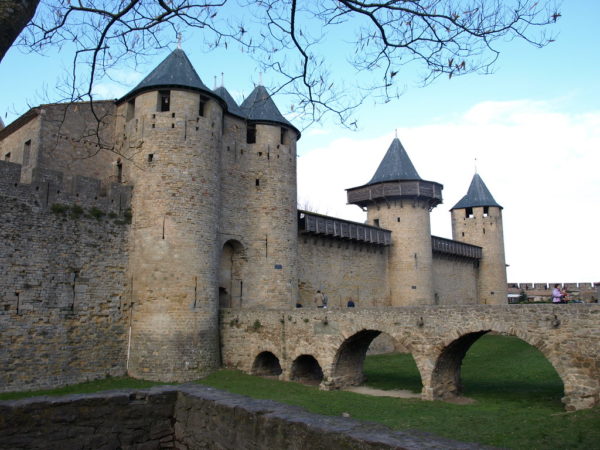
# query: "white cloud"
541,164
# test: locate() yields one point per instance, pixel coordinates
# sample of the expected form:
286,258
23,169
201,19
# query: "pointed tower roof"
396,178
232,106
477,195
395,165
260,107
175,70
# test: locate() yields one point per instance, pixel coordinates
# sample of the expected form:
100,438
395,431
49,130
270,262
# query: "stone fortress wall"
214,224
63,302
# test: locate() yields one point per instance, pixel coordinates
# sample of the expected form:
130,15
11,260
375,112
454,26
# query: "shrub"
57,208
96,213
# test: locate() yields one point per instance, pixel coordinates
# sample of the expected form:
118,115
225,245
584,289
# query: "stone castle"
128,225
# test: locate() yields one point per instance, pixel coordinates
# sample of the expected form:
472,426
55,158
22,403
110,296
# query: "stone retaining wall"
190,417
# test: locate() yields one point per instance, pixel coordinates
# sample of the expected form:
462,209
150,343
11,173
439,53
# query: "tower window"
486,211
130,110
202,106
469,213
251,134
150,157
397,219
282,137
257,182
376,222
26,152
119,171
7,157
164,101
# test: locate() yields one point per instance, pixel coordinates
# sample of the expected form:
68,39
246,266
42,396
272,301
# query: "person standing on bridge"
557,295
319,299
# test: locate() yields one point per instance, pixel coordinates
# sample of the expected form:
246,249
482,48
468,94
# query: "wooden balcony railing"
342,229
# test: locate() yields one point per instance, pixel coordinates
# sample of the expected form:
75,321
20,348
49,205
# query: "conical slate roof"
477,195
232,106
259,107
395,166
176,70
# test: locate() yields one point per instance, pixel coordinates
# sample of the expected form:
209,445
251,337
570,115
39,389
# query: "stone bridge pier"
328,346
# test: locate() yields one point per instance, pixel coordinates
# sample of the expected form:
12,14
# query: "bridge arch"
266,364
306,369
347,367
444,382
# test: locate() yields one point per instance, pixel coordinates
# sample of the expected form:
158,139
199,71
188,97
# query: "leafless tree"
290,39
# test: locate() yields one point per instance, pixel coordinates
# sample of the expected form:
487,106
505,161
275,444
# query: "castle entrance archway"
231,283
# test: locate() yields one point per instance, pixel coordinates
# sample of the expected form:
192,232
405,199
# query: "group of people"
320,300
559,295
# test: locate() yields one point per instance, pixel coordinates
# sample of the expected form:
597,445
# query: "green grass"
105,384
516,391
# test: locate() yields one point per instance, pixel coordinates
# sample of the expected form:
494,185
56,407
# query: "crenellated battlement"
586,292
47,188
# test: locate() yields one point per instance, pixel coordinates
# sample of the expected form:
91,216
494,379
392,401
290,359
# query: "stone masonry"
187,418
329,346
125,226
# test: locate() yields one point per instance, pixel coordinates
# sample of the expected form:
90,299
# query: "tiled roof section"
232,106
260,107
477,195
176,70
395,166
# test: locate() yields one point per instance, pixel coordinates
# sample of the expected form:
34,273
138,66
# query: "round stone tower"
477,220
398,199
272,202
171,131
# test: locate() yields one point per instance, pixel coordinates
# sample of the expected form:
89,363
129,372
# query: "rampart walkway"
329,346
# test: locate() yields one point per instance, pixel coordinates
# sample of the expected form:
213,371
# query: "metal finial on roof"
475,164
396,132
214,82
222,79
179,37
260,78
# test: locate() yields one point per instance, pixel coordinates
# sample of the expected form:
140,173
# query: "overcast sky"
533,126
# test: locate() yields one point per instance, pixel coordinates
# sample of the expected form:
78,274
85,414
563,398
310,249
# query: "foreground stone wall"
63,303
190,417
336,342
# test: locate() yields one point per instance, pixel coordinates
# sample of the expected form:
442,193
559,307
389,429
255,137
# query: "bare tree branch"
301,44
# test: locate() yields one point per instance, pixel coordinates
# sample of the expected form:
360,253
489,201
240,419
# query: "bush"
57,208
96,213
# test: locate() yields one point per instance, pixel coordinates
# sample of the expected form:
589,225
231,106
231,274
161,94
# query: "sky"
531,130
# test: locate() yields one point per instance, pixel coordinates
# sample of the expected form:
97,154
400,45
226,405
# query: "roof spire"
477,195
179,36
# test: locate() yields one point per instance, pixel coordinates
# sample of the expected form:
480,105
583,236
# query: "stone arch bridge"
329,345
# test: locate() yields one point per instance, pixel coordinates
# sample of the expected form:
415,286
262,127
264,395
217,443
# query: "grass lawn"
516,391
105,384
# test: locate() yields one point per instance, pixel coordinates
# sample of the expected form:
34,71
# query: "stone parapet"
48,188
